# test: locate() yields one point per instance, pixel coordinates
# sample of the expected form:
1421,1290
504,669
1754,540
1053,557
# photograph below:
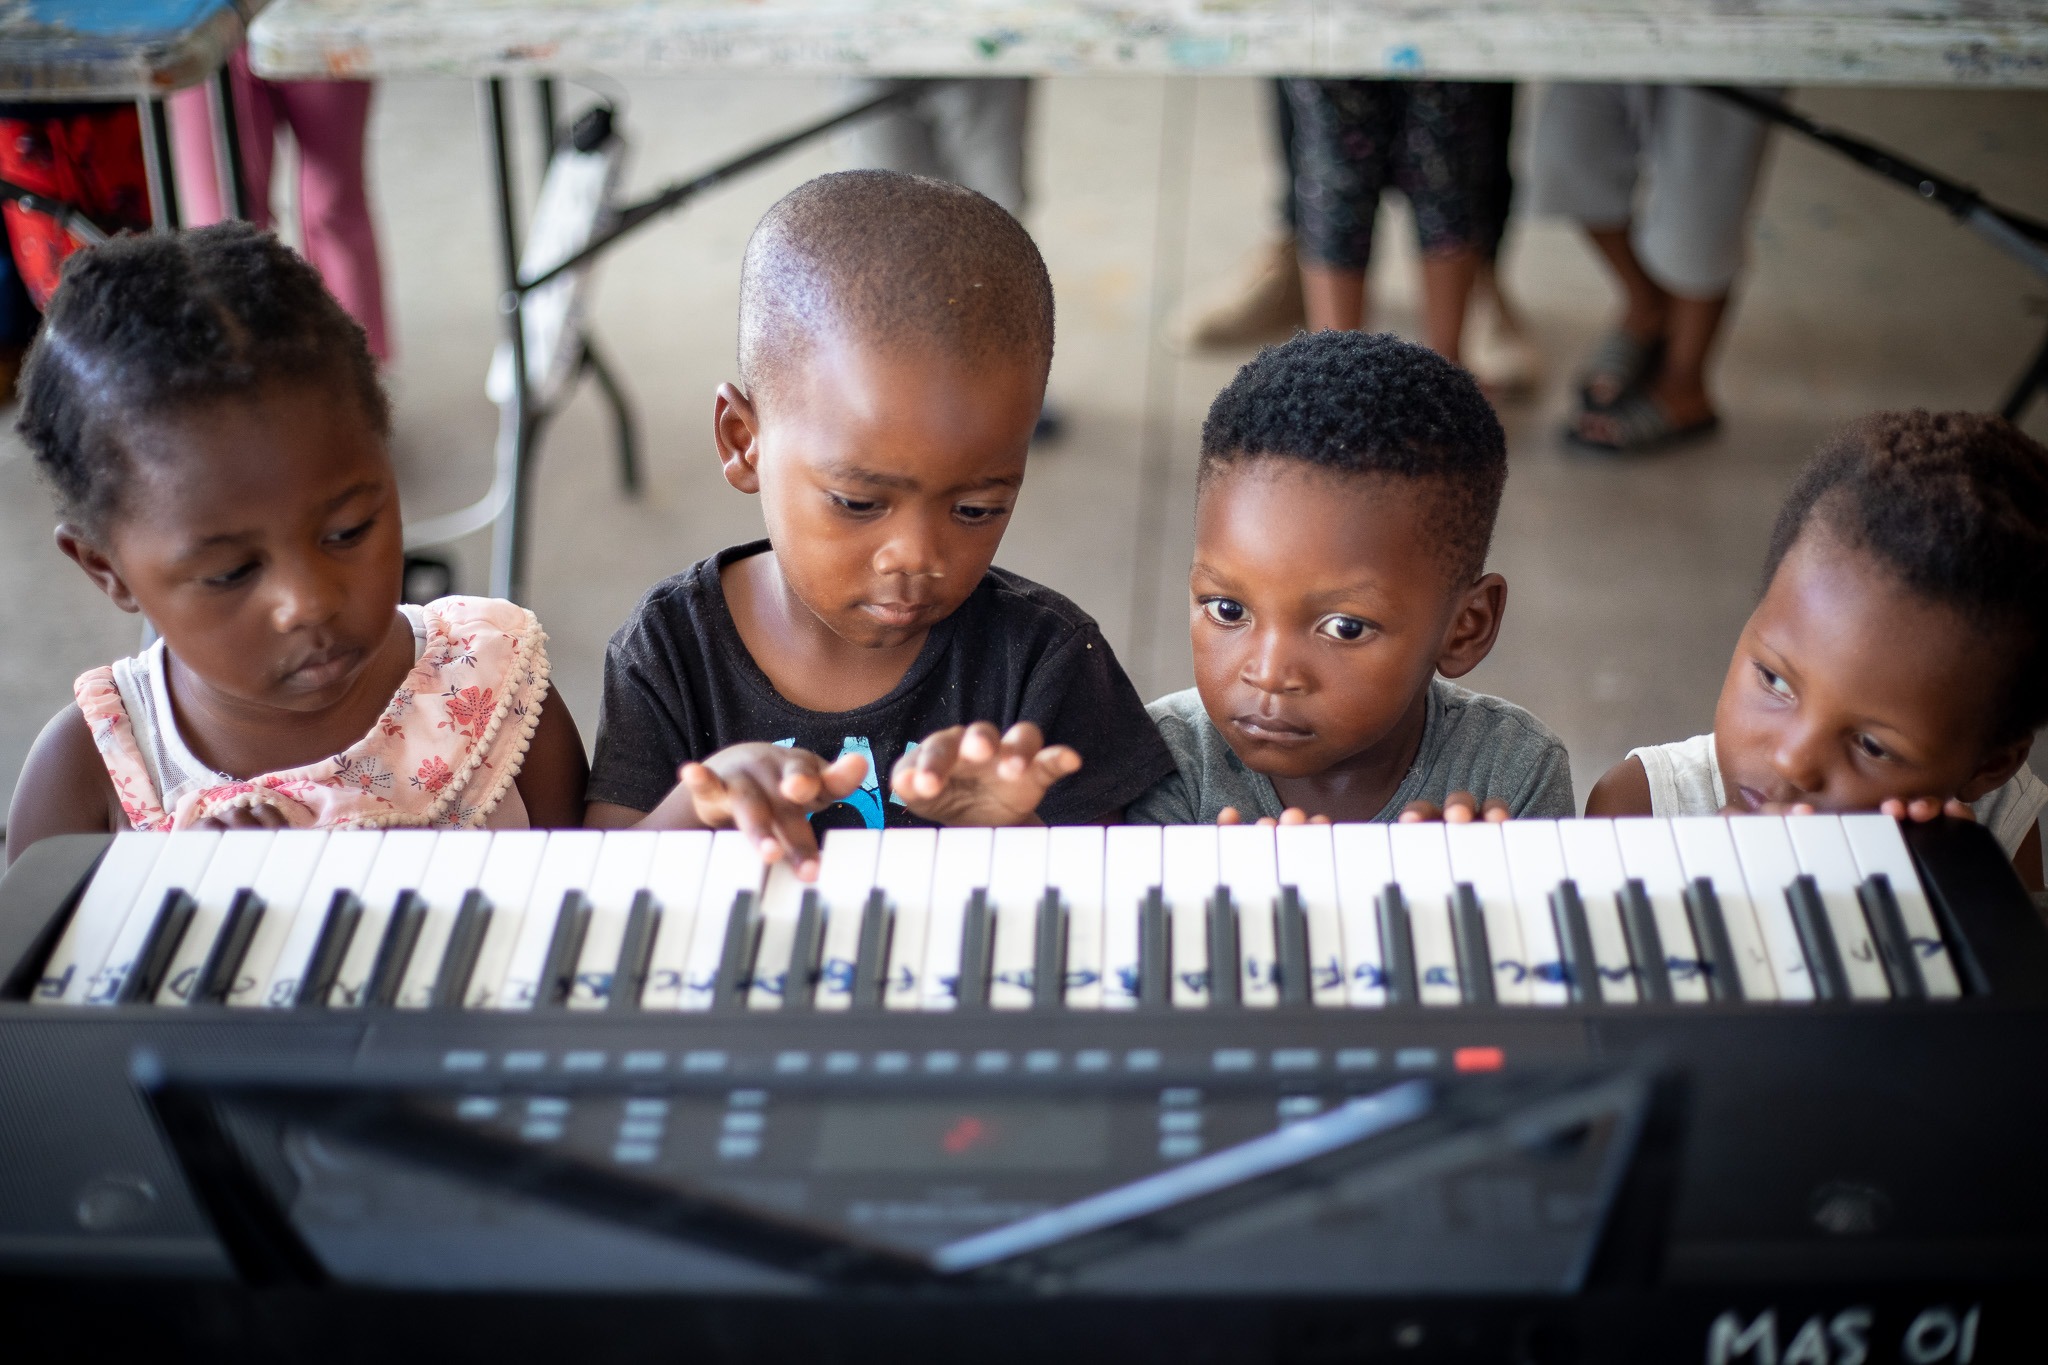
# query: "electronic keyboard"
1638,1086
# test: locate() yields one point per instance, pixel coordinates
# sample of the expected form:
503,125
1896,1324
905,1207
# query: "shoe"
1264,304
1500,355
1640,426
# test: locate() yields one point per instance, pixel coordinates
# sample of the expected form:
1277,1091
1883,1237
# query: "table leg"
544,106
622,418
156,164
2033,383
516,421
227,145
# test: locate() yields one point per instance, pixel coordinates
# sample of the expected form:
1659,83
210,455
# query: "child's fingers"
777,828
1294,815
1420,812
843,776
1958,810
799,780
1496,811
1460,808
923,773
1020,744
1319,819
1229,816
708,793
1267,822
1051,764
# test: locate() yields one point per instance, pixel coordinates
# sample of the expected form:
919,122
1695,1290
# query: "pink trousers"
328,120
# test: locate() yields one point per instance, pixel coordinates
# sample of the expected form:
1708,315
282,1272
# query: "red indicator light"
1478,1059
964,1136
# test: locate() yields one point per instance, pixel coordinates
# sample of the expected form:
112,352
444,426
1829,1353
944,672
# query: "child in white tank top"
1898,660
214,430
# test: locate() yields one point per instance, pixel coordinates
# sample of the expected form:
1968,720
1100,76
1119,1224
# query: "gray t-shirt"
1470,743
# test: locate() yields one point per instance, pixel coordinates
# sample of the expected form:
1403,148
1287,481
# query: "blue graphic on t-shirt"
867,798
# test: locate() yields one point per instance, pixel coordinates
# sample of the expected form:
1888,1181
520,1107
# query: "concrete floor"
1629,578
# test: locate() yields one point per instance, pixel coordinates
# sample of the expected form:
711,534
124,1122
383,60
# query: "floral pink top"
443,754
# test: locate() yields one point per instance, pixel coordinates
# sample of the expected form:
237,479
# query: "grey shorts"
970,132
1693,156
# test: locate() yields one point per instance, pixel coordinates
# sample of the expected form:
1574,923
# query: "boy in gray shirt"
1346,498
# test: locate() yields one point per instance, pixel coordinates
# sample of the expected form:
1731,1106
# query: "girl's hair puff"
150,324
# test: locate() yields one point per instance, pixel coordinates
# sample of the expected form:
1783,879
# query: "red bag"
91,160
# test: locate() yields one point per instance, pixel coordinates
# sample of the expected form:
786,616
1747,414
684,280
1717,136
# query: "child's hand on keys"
767,792
245,817
970,775
1293,815
1921,809
1459,808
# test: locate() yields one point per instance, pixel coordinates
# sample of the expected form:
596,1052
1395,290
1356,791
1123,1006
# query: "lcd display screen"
935,1136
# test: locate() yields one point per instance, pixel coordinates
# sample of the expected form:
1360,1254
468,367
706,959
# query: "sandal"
1640,426
1621,361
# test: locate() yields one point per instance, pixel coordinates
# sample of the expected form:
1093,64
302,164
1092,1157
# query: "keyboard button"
1824,855
1769,867
1422,865
567,864
846,872
1016,886
1593,862
511,866
960,867
1706,851
1880,850
401,865
1130,870
1479,859
1650,856
903,873
675,877
453,871
1247,863
288,871
717,941
620,874
1307,864
1535,867
1074,868
1363,867
233,868
1187,881
97,920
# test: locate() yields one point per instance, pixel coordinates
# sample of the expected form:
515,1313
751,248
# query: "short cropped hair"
1358,403
897,260
1956,505
161,322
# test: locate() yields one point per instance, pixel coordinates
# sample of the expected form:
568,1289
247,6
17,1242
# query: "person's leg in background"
1499,348
900,138
192,145
1344,133
1263,301
329,120
978,130
1440,163
1688,244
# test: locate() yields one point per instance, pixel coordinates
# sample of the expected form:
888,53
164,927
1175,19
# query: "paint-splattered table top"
1866,42
114,49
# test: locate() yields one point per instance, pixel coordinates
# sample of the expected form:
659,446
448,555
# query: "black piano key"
871,966
1710,934
1155,952
1049,953
1575,944
565,951
1645,943
1888,931
330,950
1817,939
970,989
636,949
1225,974
800,980
394,954
159,948
465,941
1475,952
1291,927
1397,946
224,959
736,959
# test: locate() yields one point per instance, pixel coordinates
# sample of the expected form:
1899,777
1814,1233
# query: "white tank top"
176,770
1685,779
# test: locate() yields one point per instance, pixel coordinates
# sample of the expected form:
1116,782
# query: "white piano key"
1422,865
735,866
675,876
178,868
1306,863
1247,863
1016,885
959,869
1824,855
1593,862
1535,867
1706,849
506,881
566,864
621,874
903,873
232,868
1365,866
287,870
1479,858
452,873
1188,878
1074,863
1881,849
1130,870
782,898
1649,855
345,862
846,874
401,865
97,918
1768,868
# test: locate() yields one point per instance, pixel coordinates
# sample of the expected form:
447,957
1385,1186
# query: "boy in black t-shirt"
895,334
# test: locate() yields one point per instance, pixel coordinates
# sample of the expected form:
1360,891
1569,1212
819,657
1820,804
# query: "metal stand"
520,418
227,144
2018,236
156,164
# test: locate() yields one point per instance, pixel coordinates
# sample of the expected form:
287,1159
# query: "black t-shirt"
680,685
